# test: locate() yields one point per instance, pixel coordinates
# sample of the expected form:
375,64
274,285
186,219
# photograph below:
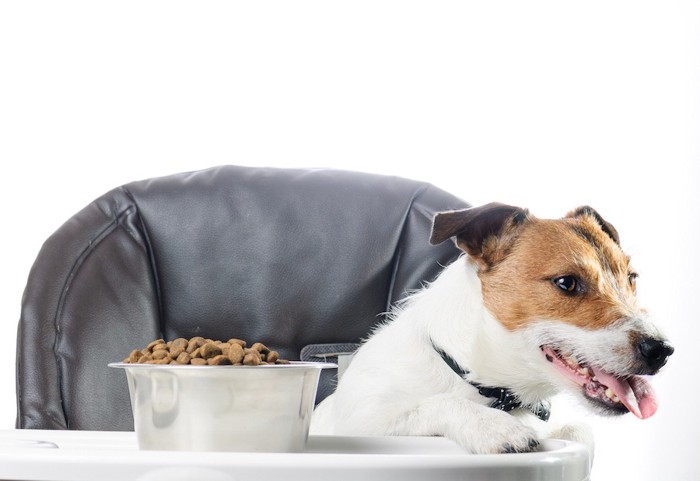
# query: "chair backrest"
288,257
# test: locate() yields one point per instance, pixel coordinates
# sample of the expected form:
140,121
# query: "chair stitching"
397,254
152,261
80,259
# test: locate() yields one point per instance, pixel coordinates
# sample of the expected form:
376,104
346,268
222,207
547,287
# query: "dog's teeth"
584,371
611,395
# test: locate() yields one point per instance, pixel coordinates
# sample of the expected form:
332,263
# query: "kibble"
260,347
199,351
219,360
175,351
152,345
236,354
252,359
183,358
209,350
160,354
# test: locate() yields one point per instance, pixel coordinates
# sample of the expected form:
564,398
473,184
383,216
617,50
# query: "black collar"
503,398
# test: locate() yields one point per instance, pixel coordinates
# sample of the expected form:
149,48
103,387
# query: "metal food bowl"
223,408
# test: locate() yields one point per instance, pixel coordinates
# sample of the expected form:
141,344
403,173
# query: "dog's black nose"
654,352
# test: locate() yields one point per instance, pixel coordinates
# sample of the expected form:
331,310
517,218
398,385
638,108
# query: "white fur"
593,346
397,384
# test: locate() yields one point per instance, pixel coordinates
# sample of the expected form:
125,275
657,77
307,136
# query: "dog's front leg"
477,428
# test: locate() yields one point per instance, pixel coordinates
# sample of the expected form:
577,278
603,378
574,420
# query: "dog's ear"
606,226
473,227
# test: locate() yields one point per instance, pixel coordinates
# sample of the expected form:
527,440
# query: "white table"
110,456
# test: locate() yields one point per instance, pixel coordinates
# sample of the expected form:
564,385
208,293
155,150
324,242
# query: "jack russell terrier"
537,306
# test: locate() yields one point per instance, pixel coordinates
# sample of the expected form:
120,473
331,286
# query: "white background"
548,105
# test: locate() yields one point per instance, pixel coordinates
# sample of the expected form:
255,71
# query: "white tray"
114,456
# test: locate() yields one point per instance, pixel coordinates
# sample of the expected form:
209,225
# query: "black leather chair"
289,257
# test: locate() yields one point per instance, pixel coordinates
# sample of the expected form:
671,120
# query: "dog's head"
567,286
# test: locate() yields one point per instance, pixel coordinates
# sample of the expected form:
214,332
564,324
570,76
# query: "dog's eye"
569,284
632,276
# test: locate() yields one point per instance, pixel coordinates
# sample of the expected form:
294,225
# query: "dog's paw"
495,432
531,446
578,432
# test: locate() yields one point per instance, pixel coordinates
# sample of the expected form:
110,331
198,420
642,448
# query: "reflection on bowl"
223,408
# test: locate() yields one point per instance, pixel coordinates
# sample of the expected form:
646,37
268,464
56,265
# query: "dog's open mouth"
616,394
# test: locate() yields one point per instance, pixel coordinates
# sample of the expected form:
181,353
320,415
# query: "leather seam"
67,284
151,261
399,248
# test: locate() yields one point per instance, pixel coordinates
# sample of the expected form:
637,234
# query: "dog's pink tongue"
635,393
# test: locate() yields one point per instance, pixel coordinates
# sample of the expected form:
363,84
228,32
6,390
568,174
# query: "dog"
532,308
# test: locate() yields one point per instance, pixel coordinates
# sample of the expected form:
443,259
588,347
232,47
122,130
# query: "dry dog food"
200,351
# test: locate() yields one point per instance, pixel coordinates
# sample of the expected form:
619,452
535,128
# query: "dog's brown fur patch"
518,285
